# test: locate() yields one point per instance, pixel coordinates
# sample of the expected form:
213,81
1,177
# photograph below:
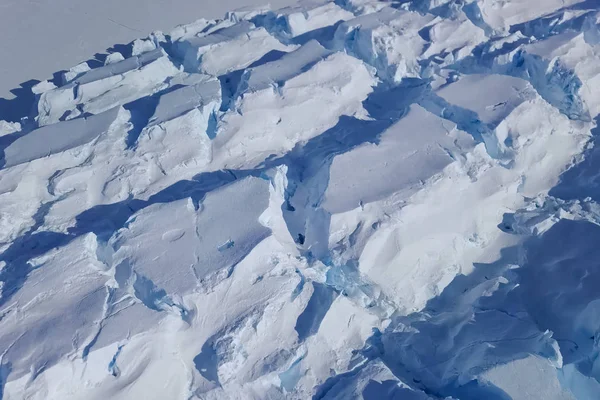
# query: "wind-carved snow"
336,200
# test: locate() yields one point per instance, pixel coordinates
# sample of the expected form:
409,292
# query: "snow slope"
355,199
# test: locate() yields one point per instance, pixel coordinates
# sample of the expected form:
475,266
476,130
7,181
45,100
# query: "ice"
241,134
452,39
492,106
276,73
404,44
185,99
388,40
51,139
291,22
581,386
246,13
521,380
501,16
184,115
85,28
227,49
101,89
320,301
7,128
205,257
75,72
136,62
573,62
335,200
400,160
114,58
67,286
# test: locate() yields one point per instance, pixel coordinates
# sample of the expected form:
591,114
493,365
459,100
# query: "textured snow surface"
355,199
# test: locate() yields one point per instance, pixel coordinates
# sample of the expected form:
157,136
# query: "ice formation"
356,199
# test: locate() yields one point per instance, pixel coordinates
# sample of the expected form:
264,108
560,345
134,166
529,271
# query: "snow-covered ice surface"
33,30
350,199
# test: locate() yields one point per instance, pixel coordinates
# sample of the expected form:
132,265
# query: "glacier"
350,199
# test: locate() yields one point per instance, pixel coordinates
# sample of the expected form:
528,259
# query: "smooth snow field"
350,199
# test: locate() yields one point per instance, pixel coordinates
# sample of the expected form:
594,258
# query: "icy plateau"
351,199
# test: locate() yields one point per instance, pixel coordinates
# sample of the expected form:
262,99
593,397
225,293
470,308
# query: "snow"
51,139
6,128
503,15
528,378
400,161
277,72
388,40
332,200
226,50
292,22
107,87
33,55
335,85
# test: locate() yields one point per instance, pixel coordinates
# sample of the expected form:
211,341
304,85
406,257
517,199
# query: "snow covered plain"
355,199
